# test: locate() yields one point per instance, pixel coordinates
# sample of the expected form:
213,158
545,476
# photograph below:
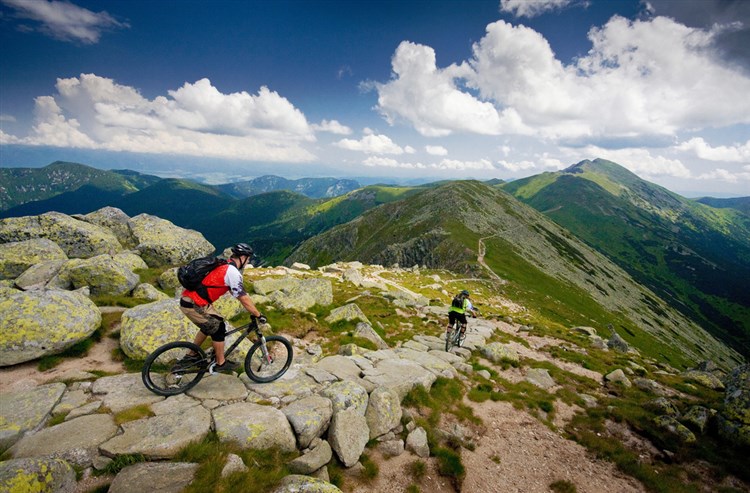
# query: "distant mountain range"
620,250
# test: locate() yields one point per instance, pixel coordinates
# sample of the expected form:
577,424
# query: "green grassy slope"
544,264
695,257
741,204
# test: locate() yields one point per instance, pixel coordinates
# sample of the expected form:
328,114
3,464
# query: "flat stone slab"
75,441
400,375
255,427
220,387
152,477
160,437
37,474
25,410
430,362
299,385
121,392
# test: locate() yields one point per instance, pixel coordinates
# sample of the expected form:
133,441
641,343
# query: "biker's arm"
233,280
247,303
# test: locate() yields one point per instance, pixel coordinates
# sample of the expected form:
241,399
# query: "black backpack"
191,275
458,301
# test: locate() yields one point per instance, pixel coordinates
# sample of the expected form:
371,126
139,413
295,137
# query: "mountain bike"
167,371
453,336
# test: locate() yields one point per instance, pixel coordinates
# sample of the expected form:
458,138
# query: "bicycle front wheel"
267,363
449,335
166,372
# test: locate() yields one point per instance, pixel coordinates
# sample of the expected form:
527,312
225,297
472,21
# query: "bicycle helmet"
242,249
465,293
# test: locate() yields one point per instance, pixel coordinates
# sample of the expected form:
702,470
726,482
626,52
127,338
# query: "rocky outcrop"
18,256
150,477
37,323
348,435
24,411
499,353
38,275
290,293
734,420
309,417
296,483
78,239
37,474
161,243
254,426
116,221
103,275
348,312
147,327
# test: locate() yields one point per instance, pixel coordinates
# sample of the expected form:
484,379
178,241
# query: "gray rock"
365,331
540,377
115,221
417,346
400,375
148,292
37,474
499,353
290,385
617,377
37,323
221,387
347,394
348,435
254,426
313,460
161,243
295,294
160,437
704,378
416,442
234,464
121,392
153,477
296,483
26,410
589,400
39,274
146,327
698,417
383,411
664,406
309,418
588,331
392,448
617,343
347,312
342,367
648,385
674,427
320,375
427,361
734,422
67,440
103,275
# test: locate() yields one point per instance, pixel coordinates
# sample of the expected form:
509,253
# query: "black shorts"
453,316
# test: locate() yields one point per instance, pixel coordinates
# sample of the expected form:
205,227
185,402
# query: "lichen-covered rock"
416,441
62,279
39,274
347,312
664,406
617,377
296,483
78,239
254,426
146,327
116,221
704,378
498,353
130,261
103,275
348,435
146,291
345,395
309,417
38,475
734,422
168,280
675,428
698,417
37,323
365,331
303,294
26,410
18,256
270,284
540,377
383,411
162,243
313,460
154,477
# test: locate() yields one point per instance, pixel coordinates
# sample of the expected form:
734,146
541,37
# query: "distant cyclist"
200,311
460,306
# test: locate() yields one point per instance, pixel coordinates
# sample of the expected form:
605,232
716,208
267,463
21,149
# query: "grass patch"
371,469
56,419
418,469
115,300
265,468
120,462
450,465
77,350
133,414
563,486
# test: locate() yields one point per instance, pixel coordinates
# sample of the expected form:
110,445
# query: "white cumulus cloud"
65,21
332,126
532,8
739,153
371,143
197,119
436,150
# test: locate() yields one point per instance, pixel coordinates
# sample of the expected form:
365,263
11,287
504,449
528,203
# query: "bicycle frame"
250,326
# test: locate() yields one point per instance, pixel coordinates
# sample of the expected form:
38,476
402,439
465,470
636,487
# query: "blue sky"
423,89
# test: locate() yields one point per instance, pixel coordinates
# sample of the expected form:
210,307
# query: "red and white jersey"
220,280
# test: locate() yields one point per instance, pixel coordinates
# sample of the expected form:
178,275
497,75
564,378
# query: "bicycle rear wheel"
275,362
165,374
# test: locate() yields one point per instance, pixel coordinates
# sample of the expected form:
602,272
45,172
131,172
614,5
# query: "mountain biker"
458,313
200,311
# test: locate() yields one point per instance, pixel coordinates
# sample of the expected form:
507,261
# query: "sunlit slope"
566,281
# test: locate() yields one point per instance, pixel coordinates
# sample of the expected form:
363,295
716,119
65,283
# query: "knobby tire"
162,375
258,370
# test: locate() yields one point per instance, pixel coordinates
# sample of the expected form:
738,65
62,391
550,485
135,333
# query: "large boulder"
498,352
348,312
298,483
38,474
116,221
37,323
78,239
348,435
154,477
254,426
383,411
146,327
734,420
104,275
309,417
130,261
18,256
303,294
162,243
